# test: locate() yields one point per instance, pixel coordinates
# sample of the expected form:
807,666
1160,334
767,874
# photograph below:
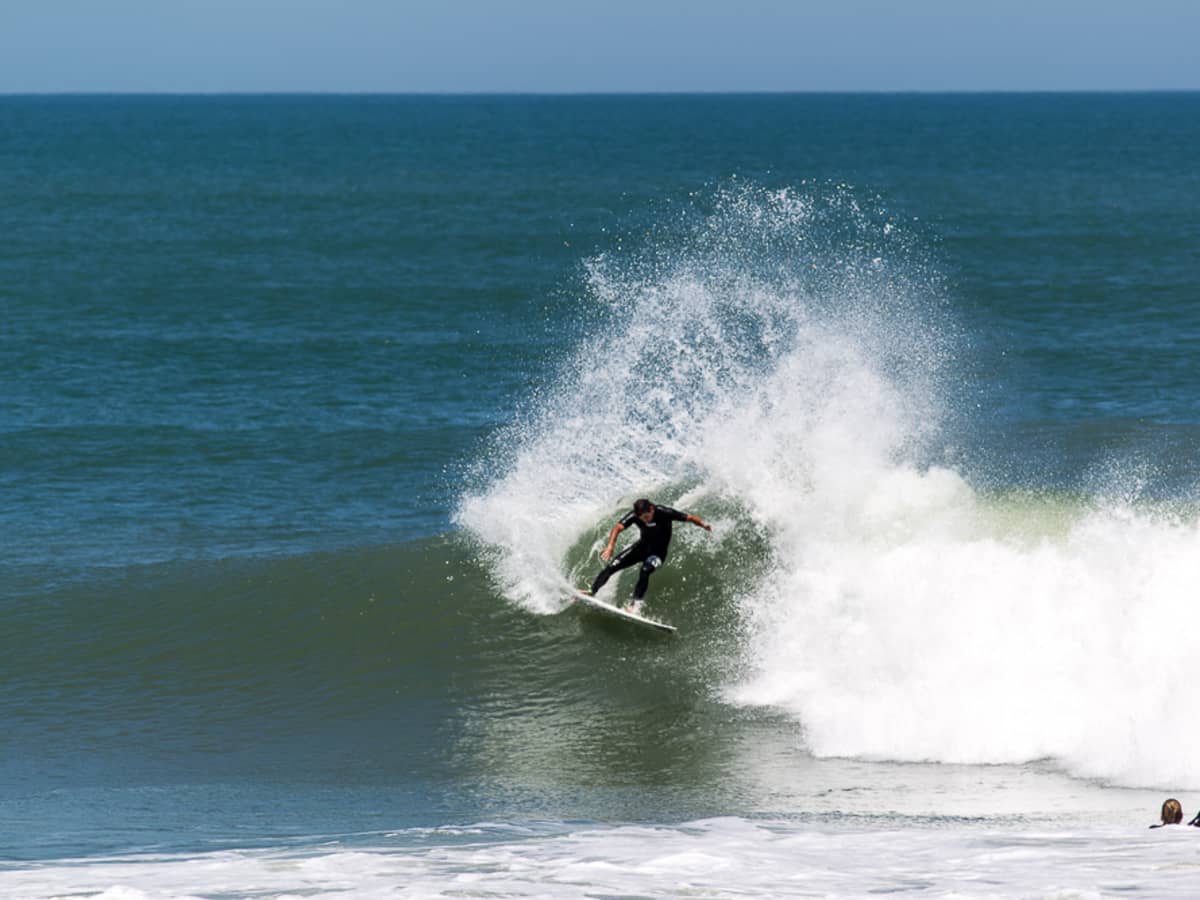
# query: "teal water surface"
256,352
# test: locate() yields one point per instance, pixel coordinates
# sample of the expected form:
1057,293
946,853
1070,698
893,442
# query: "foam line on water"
724,857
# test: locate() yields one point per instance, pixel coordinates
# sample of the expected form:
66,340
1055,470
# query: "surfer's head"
1172,812
643,509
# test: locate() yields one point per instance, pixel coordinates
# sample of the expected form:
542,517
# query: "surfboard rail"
607,609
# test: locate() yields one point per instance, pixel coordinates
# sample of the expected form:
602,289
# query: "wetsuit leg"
649,564
630,556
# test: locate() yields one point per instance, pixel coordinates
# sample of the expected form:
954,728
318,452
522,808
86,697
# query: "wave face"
785,365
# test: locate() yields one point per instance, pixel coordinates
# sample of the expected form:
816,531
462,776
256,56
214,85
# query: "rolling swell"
337,627
377,665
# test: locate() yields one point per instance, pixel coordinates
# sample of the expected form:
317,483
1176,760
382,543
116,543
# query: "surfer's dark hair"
641,507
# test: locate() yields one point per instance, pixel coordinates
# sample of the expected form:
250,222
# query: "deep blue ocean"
312,406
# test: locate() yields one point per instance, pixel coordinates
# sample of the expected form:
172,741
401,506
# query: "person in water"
654,524
1172,813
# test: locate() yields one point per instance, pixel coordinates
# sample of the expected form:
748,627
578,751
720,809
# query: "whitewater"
718,858
787,365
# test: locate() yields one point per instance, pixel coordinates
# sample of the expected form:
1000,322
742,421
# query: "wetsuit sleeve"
674,514
628,520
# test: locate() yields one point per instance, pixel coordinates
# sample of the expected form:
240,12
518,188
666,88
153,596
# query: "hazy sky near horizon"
620,45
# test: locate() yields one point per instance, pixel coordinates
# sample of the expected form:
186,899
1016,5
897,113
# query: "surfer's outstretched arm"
696,520
607,552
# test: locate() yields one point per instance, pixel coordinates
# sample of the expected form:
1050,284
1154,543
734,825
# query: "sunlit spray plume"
797,311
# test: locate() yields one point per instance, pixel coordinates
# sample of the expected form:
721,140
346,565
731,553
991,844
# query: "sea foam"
720,858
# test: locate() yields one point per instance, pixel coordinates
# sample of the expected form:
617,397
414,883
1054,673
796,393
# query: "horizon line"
591,93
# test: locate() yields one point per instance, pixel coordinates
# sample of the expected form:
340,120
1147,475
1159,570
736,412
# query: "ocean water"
312,405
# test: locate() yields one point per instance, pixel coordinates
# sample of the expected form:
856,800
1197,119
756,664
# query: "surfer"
1172,813
654,527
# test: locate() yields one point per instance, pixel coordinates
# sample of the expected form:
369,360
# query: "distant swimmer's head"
1172,812
643,509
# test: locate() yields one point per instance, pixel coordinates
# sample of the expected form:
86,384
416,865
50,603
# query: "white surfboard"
615,612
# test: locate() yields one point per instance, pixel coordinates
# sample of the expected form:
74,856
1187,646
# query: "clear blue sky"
614,45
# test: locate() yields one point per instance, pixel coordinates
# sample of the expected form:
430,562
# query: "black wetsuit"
650,549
